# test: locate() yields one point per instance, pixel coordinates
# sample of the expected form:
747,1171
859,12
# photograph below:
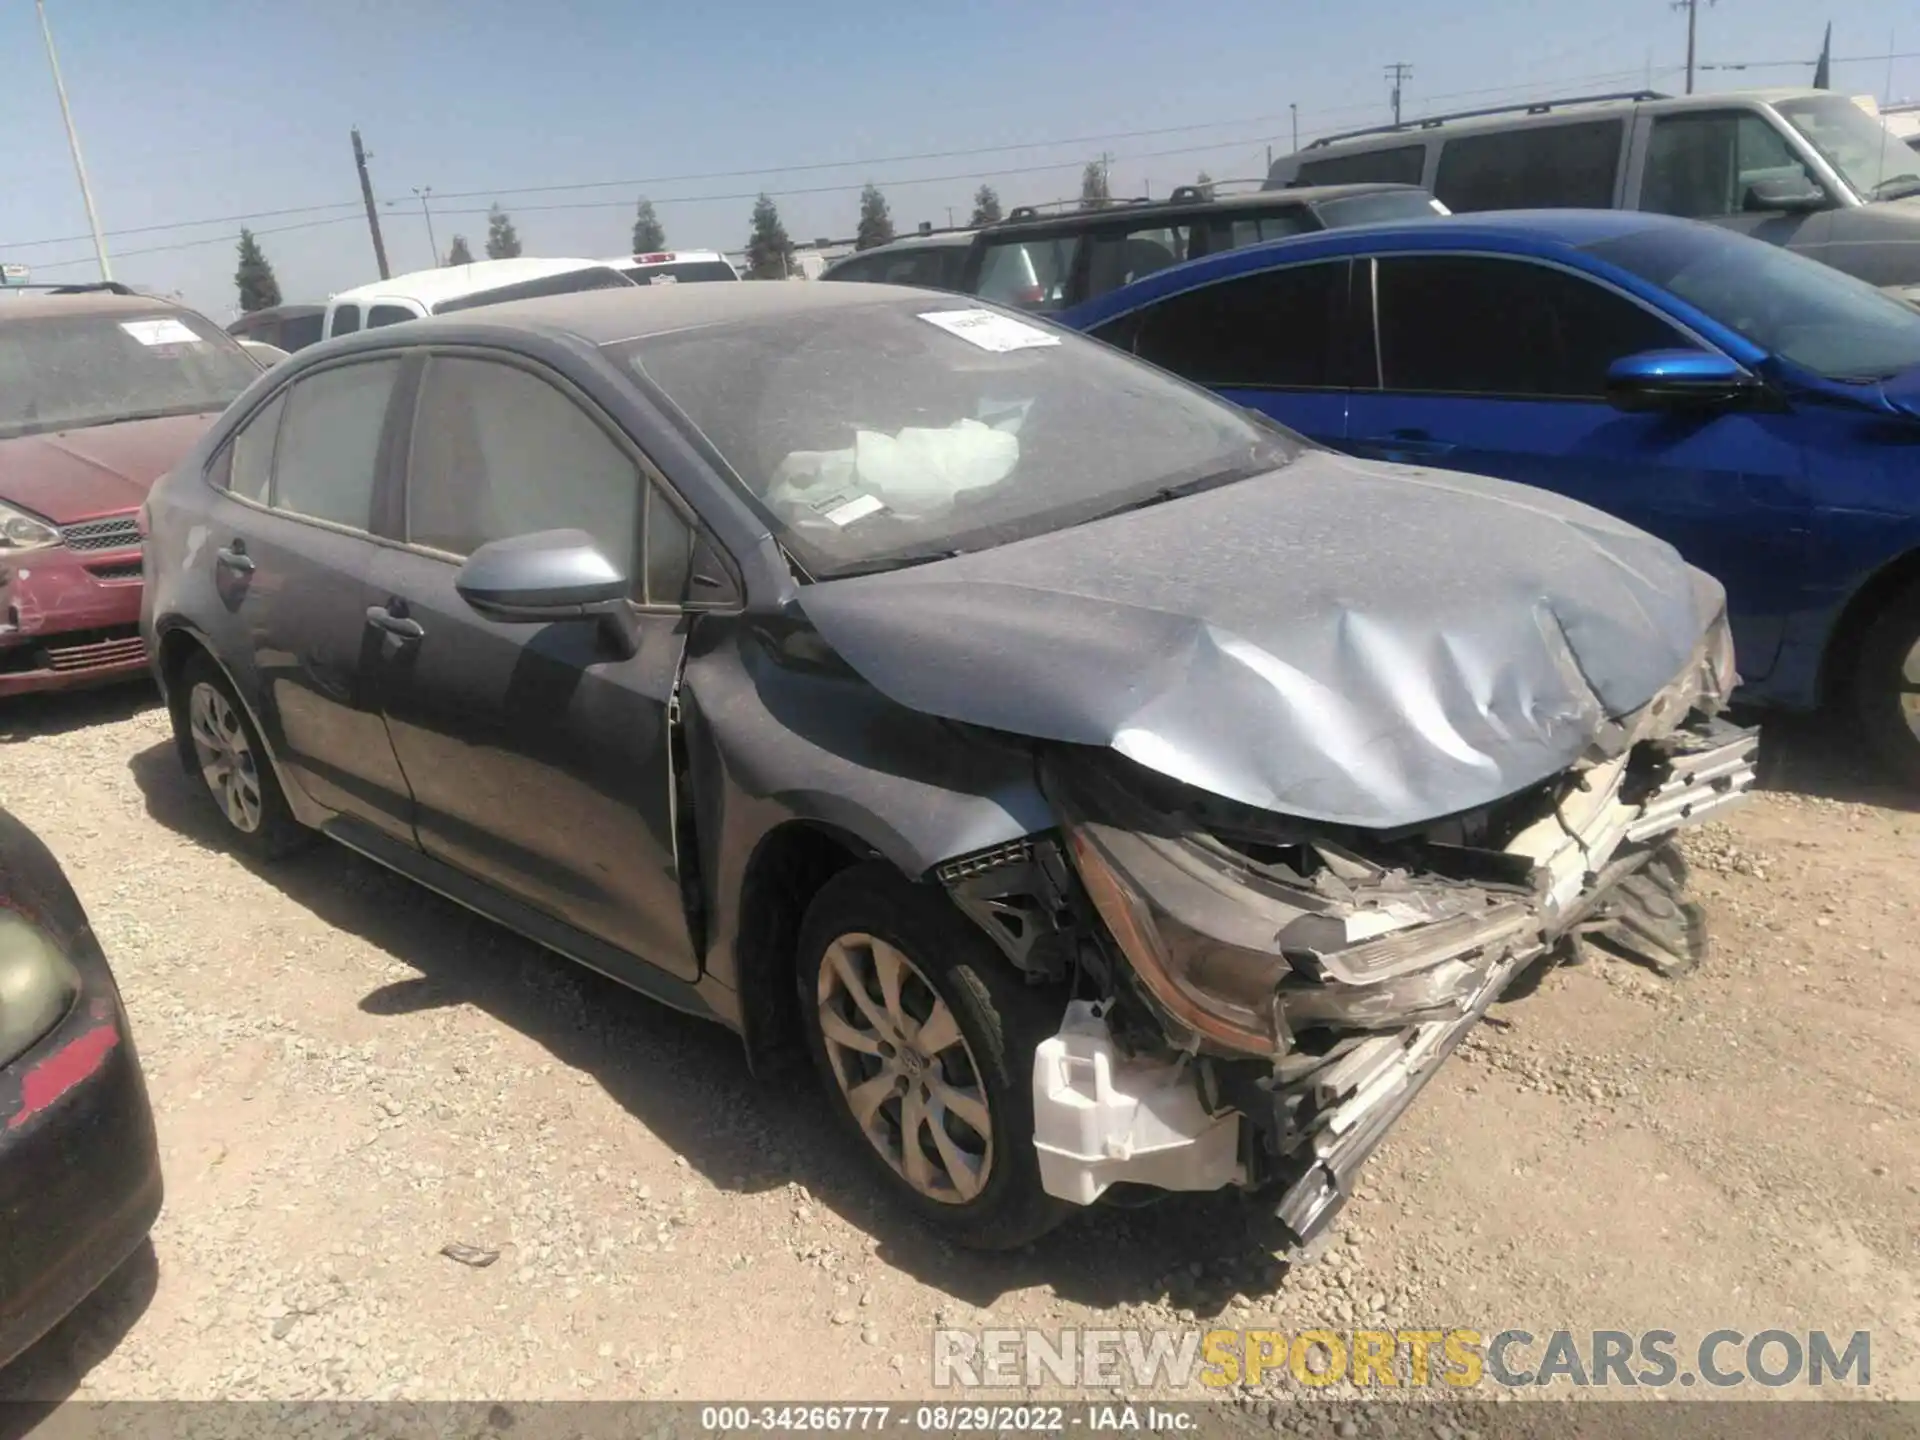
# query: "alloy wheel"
1910,690
226,759
904,1069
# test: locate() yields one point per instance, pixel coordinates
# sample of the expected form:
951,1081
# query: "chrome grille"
116,532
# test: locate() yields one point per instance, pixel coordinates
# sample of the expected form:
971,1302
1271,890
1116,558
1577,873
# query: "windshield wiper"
1185,488
1896,187
890,562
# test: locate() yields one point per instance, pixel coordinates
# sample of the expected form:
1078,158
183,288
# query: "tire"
1650,921
973,1176
230,759
1886,686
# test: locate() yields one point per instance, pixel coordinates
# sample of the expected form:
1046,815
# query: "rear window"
379,315
1400,165
63,372
1028,274
677,272
300,331
598,277
1538,168
1378,208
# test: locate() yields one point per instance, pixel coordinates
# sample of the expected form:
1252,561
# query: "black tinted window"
1701,165
1542,167
1401,165
379,315
329,452
1120,257
858,269
300,331
1464,325
1276,328
497,451
346,320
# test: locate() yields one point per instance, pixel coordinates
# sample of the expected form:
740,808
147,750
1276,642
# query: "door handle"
381,618
234,557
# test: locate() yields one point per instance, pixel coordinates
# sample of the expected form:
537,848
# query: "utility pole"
1692,7
373,216
1398,72
1294,111
423,191
73,143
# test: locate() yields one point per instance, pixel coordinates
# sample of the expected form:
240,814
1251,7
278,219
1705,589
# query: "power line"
1836,60
499,192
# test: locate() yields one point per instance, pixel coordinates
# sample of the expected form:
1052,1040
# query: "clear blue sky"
200,109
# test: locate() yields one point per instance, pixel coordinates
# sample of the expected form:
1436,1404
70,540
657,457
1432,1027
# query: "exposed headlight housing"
38,986
20,531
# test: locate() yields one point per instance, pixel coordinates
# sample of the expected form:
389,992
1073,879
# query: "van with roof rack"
1810,170
463,287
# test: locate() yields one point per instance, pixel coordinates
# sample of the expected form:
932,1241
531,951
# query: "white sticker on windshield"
160,332
856,509
998,333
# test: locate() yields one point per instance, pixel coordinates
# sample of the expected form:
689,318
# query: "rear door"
539,758
290,551
1275,341
1497,365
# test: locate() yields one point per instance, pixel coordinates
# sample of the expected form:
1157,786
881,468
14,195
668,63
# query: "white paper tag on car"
998,333
160,332
855,509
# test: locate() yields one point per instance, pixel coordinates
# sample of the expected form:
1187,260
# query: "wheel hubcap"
1910,690
226,759
904,1069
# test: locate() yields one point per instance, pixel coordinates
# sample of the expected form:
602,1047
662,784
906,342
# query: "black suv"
1048,263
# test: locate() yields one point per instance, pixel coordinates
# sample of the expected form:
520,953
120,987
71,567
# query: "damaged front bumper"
1299,985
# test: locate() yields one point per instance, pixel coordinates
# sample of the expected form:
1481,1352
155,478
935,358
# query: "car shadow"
1822,756
688,1082
56,712
49,1372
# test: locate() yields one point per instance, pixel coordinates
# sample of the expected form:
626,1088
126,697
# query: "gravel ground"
351,1074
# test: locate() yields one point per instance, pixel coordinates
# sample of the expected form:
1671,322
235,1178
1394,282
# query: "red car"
101,393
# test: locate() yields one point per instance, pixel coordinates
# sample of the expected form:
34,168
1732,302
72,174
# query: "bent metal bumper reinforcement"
1712,774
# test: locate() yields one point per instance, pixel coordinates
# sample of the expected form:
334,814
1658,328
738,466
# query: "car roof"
606,317
1535,232
956,239
1533,113
1131,211
450,282
37,305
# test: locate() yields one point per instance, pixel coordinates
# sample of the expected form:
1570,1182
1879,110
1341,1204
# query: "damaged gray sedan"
1115,794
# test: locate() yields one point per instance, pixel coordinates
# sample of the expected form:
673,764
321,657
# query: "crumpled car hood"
1354,643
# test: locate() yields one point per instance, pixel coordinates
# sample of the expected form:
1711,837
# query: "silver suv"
1807,169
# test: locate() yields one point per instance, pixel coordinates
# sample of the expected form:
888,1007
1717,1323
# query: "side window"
1400,165
669,552
1029,274
1545,167
1700,166
346,319
1120,257
1236,232
329,452
379,315
498,451
1467,325
853,270
1275,330
250,457
901,269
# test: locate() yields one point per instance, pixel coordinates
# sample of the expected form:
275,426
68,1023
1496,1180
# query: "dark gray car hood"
1358,643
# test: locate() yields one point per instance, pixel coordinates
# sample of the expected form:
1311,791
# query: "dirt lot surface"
350,1073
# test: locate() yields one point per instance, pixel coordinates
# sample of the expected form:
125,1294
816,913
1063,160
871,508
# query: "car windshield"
1869,156
1810,313
675,272
66,372
891,431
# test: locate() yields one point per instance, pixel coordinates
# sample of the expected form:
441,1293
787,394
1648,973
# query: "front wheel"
924,1036
1886,686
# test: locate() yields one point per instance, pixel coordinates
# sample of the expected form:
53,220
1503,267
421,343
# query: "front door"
1497,366
539,757
290,552
1702,164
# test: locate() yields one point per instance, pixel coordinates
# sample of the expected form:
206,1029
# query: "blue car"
1759,411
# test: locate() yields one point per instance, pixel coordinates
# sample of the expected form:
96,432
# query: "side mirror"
1679,380
1795,196
548,576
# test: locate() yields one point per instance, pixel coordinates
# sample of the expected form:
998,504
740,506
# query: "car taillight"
142,521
